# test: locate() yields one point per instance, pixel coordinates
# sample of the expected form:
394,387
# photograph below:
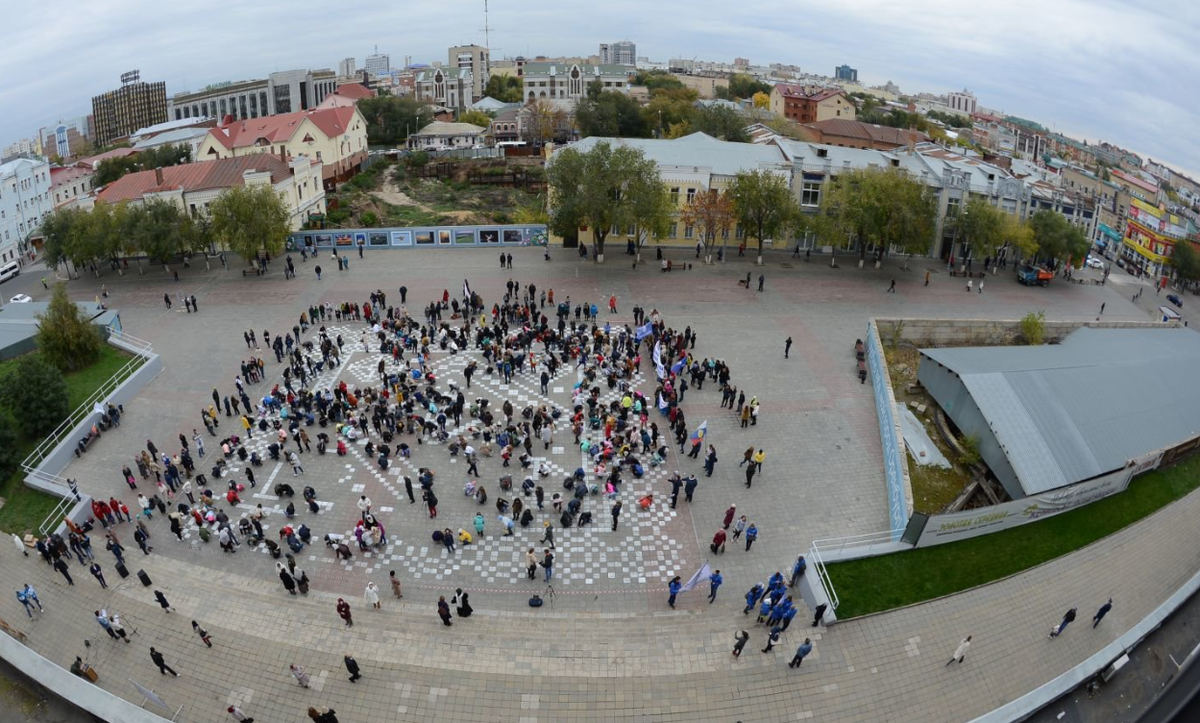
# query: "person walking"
1102,308
961,651
294,460
819,613
751,535
343,611
27,596
371,596
787,348
892,289
61,565
1101,613
616,513
202,633
927,278
298,673
714,582
238,715
98,573
103,621
162,601
673,587
395,582
443,610
548,535
1068,618
739,642
772,638
761,279
158,659
801,652
351,667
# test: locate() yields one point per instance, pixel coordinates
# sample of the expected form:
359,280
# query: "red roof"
280,128
205,175
792,90
845,128
354,91
91,161
65,174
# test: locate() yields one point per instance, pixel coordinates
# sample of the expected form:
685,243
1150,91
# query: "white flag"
701,575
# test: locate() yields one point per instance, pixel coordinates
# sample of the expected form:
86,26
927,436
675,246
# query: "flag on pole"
698,435
467,291
701,575
678,366
658,364
645,330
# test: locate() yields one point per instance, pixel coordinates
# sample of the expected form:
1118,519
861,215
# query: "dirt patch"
391,193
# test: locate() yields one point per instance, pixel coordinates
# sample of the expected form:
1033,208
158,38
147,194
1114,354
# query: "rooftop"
188,177
1042,405
443,128
564,68
699,150
280,128
868,131
794,90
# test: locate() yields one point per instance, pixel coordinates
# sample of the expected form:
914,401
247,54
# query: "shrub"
9,457
368,218
1033,328
36,394
66,339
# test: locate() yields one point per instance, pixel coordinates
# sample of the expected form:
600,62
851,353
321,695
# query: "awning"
1109,232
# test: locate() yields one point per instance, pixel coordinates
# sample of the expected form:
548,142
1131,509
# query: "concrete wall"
985,332
895,456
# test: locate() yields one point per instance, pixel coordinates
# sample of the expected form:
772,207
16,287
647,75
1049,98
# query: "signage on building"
956,526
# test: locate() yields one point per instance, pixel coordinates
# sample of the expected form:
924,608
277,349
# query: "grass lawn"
883,583
25,508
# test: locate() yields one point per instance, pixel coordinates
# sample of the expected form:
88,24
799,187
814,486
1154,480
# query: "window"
741,233
952,206
691,194
810,194
725,233
672,232
687,231
675,198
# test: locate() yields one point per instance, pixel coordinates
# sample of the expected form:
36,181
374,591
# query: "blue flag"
645,330
698,435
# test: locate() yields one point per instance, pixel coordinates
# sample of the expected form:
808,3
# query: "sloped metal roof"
1068,412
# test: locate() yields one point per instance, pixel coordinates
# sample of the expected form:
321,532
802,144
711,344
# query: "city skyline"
1091,70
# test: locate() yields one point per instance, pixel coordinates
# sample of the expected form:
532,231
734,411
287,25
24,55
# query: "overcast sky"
1125,72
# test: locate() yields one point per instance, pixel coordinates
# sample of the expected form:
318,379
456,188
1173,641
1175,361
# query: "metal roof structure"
1072,411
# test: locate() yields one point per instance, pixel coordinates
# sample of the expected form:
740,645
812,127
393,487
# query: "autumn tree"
710,213
66,338
1186,261
249,219
881,206
1058,238
475,118
762,100
593,189
650,208
981,226
541,122
763,204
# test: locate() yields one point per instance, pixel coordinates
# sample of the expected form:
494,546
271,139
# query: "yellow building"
336,137
705,86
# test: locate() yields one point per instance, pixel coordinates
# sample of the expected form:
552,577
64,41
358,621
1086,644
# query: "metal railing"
141,351
56,515
870,540
818,564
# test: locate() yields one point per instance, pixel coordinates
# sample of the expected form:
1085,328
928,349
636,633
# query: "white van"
9,270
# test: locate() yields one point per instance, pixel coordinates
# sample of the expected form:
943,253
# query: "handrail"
839,544
54,519
818,564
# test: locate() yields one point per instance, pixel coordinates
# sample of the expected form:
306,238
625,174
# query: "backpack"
535,601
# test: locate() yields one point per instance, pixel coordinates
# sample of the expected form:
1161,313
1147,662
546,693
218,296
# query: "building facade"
808,104
25,200
477,61
448,87
29,146
704,85
134,105
68,138
286,91
558,81
856,134
346,67
845,72
622,52
963,102
70,183
377,63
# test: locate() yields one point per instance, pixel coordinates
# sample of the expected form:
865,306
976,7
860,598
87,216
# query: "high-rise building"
476,59
377,63
741,62
845,72
23,146
622,52
66,138
136,104
346,68
963,102
285,91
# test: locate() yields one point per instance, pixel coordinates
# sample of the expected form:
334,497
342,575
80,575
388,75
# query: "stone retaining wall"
986,332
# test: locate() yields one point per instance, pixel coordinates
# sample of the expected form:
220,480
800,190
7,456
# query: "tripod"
550,593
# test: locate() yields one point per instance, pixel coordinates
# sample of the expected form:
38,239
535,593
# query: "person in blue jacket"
752,597
714,582
674,587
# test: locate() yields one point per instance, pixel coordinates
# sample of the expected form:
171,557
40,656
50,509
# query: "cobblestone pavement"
605,647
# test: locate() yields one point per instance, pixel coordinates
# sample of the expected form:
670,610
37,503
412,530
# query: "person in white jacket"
961,651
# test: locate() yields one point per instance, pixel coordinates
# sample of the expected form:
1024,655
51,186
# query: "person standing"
714,582
673,587
729,515
61,565
750,470
710,461
1101,613
798,570
371,596
818,614
1068,618
343,611
443,610
805,647
761,279
927,278
158,659
751,535
202,633
772,638
689,487
787,348
548,564
98,573
238,715
739,642
103,621
351,667
616,513
531,563
298,673
961,651
1102,308
395,581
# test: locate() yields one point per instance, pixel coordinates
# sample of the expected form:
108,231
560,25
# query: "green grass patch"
25,508
883,583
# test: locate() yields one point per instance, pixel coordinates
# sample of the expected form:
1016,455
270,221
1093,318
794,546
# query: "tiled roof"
206,175
280,128
792,90
91,161
844,128
356,91
441,128
60,175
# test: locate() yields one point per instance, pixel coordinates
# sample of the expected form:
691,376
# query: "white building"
286,91
346,67
25,145
24,201
476,60
963,102
440,135
449,87
559,81
623,52
377,63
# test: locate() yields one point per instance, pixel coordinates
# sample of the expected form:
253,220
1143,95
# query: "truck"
1029,275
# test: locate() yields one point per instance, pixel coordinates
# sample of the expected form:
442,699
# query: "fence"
895,463
818,565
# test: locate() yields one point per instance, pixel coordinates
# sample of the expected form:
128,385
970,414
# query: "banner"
698,435
645,330
701,575
658,364
964,525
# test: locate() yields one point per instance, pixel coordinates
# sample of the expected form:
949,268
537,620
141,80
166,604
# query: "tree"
762,100
37,394
656,79
911,221
10,455
763,204
650,206
667,107
161,157
742,85
1019,234
610,114
981,226
853,209
593,189
504,88
475,118
709,212
391,119
65,337
541,122
249,219
1057,238
1186,261
156,229
719,122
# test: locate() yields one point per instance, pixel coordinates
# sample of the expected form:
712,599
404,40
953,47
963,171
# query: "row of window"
673,232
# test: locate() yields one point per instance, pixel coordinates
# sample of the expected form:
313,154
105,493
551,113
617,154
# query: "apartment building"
286,91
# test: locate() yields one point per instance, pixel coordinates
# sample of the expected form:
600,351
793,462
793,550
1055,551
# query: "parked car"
21,299
1174,299
1094,262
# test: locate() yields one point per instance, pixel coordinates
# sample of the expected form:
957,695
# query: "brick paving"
606,647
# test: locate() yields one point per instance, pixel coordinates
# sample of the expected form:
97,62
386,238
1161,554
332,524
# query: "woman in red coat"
343,611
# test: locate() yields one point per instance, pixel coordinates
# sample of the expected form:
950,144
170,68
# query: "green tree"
390,119
668,107
742,85
658,79
763,205
650,208
981,226
504,88
37,394
65,337
911,221
1057,238
709,212
610,114
593,189
10,456
249,219
58,230
157,229
853,208
476,118
162,157
719,122
1186,261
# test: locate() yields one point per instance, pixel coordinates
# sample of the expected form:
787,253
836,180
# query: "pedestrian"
981,286
961,651
1068,618
20,545
710,460
162,601
298,673
801,652
238,715
395,581
508,258
1102,308
443,610
798,570
27,596
751,535
673,587
689,487
548,564
892,289
616,513
819,613
163,668
286,577
739,642
714,582
61,565
167,299
104,622
371,596
202,633
462,603
98,573
718,542
772,638
970,285
343,611
787,347
927,278
729,515
761,279
739,526
1101,613
322,715
351,667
